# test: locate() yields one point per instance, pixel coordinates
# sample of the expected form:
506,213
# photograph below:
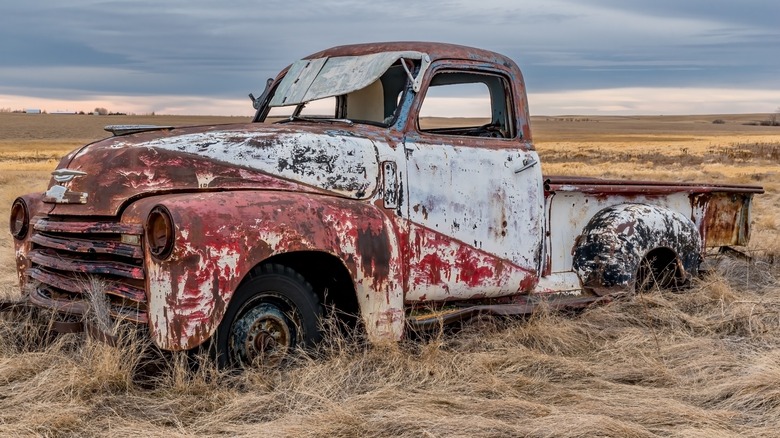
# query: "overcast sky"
203,57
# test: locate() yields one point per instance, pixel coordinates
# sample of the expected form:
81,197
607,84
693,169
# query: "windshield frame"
380,65
313,79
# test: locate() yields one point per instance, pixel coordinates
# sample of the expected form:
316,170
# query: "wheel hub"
262,334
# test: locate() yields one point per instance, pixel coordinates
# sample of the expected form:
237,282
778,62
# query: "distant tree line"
772,120
99,111
104,112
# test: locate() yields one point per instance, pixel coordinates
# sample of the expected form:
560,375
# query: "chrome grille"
68,255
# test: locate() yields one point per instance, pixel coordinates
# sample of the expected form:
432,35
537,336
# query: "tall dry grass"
704,362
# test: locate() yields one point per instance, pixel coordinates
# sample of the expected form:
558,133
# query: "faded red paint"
432,265
458,269
122,173
472,272
292,221
50,259
72,285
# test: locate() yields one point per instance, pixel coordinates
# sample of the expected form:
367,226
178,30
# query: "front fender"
608,252
221,236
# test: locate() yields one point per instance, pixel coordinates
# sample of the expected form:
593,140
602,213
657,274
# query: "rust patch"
373,246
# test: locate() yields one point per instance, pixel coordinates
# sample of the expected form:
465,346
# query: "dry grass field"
704,362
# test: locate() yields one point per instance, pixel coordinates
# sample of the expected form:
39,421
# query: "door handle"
527,164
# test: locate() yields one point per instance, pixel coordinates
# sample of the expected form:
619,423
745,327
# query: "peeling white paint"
143,178
559,282
343,164
469,194
204,179
159,281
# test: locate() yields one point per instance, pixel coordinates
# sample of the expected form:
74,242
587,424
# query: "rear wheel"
272,314
659,269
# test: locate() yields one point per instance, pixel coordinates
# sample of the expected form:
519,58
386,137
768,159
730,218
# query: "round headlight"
159,232
20,219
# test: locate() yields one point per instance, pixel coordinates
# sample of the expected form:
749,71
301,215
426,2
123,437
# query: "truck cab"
468,196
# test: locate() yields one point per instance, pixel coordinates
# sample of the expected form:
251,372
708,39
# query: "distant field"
52,127
701,363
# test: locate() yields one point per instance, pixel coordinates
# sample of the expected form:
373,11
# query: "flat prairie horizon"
636,100
51,126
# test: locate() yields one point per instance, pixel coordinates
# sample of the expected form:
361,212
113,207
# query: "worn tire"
273,313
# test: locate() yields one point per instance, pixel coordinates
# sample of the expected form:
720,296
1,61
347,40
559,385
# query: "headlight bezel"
19,220
160,233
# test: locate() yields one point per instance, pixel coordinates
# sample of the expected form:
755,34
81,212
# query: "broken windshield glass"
312,79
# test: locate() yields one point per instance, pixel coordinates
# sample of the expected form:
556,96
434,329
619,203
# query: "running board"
438,318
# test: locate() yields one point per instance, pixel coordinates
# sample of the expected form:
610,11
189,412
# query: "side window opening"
322,108
468,104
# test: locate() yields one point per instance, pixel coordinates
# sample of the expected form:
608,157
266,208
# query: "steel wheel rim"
263,334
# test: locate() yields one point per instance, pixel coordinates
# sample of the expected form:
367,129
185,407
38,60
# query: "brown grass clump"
704,362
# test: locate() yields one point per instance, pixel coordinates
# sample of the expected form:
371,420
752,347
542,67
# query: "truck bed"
720,211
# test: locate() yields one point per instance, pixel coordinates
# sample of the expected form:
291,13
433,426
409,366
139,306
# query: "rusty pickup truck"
342,198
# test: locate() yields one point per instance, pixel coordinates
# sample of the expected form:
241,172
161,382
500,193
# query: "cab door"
474,191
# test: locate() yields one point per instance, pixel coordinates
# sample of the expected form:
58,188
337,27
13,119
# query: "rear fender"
610,249
220,237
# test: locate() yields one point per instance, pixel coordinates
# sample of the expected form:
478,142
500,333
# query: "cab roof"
434,50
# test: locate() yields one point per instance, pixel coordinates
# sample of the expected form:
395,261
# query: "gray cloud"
226,49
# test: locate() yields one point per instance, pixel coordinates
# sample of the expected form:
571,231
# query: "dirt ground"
704,362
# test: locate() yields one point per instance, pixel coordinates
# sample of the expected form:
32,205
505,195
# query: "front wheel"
272,313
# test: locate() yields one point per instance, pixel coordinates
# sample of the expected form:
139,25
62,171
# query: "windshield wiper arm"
257,101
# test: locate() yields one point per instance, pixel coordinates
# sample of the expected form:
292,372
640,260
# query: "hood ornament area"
59,194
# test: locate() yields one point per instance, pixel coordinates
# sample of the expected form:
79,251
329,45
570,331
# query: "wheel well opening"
330,280
659,269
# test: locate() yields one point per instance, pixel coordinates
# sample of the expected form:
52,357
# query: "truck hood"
105,175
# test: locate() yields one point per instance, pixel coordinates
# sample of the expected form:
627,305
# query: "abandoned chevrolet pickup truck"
246,236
